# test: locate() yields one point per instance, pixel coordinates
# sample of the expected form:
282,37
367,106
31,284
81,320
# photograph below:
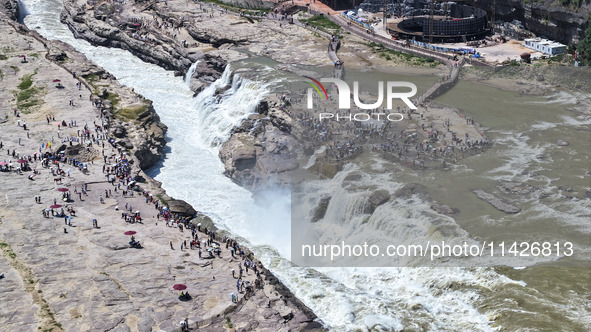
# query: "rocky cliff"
560,20
135,125
142,134
11,9
101,26
97,27
253,4
262,149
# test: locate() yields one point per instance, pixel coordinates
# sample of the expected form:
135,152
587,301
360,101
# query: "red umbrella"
63,189
55,206
179,287
130,232
22,161
21,56
56,80
3,163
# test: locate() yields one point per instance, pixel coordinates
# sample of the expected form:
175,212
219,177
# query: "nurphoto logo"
344,98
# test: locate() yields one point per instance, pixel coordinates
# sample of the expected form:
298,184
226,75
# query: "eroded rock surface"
496,202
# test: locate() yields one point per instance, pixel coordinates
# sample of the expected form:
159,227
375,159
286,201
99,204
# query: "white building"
545,46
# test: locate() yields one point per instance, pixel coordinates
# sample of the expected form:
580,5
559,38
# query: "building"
342,4
460,23
545,46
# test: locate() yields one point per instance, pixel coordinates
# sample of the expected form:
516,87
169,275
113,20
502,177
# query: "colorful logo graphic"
316,88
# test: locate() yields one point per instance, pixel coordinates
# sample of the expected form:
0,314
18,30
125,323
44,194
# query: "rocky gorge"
261,146
269,145
136,128
563,21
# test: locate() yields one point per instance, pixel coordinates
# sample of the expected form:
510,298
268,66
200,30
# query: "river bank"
55,85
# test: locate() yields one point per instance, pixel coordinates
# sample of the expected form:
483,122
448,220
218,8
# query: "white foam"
313,158
190,73
541,126
582,120
570,213
561,97
518,156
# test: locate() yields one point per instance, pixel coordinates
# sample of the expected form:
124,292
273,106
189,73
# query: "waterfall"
224,104
314,157
22,11
190,73
348,217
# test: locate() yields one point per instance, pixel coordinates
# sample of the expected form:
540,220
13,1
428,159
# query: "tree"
584,48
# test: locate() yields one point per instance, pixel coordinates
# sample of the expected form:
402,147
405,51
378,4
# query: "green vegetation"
11,253
27,93
577,84
51,316
131,113
229,323
92,79
15,68
574,3
234,8
3,57
322,23
111,96
26,82
559,59
162,200
584,48
114,98
27,274
27,98
389,54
